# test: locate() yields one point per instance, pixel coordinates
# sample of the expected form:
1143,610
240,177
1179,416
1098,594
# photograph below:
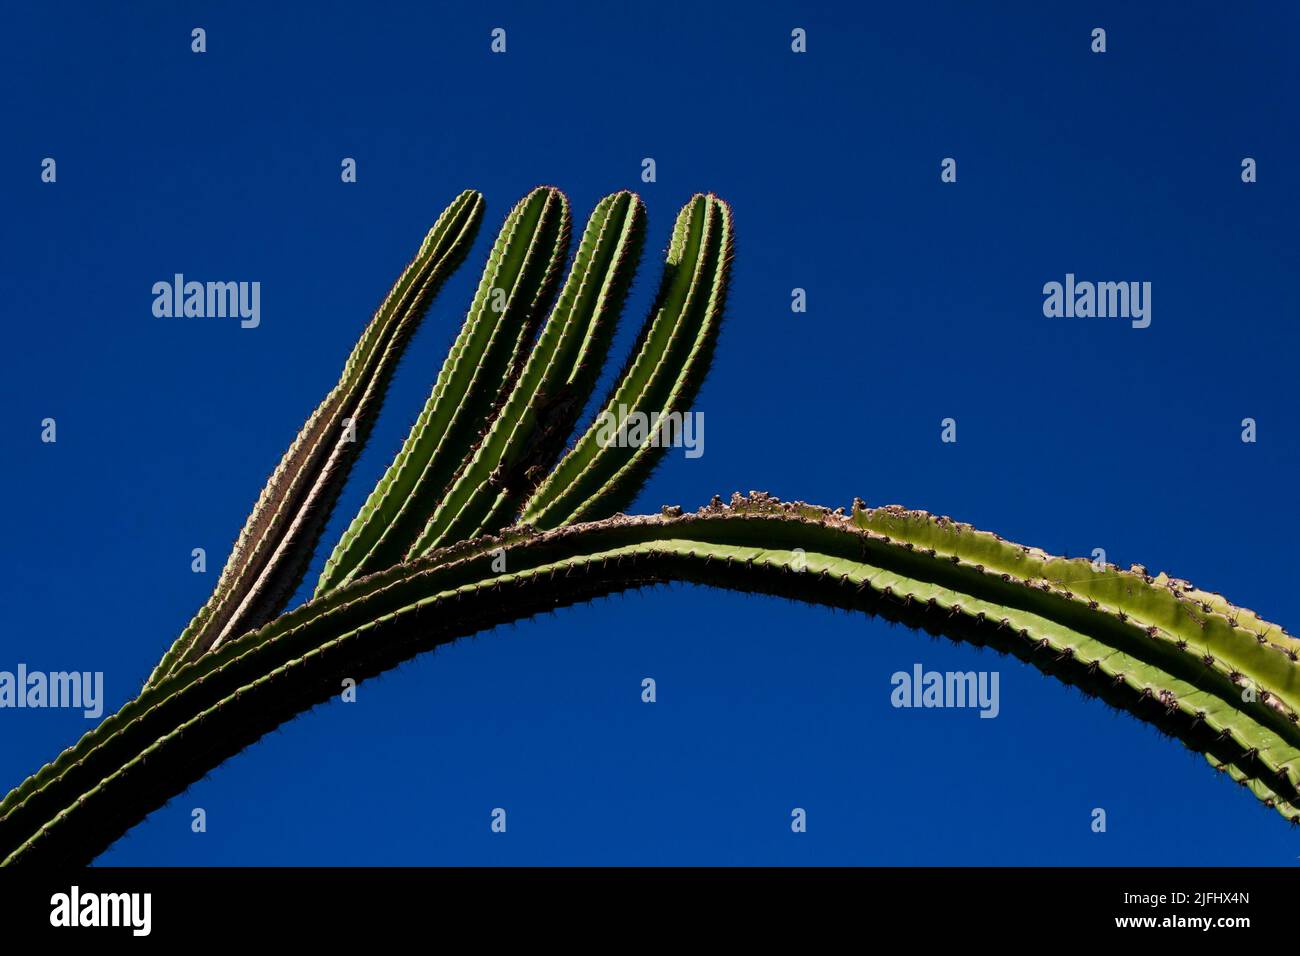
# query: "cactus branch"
271,554
598,478
516,287
530,431
1168,653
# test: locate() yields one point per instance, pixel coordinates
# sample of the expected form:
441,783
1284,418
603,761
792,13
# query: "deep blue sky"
924,302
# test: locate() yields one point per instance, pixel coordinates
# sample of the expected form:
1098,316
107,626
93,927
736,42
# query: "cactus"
516,287
478,473
272,552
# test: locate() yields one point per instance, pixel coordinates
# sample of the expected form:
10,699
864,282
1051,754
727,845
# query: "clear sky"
924,301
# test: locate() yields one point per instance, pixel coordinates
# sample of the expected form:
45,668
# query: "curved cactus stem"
598,478
516,287
271,554
537,417
1170,654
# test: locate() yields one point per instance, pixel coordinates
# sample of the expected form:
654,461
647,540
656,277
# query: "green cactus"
516,287
477,477
272,552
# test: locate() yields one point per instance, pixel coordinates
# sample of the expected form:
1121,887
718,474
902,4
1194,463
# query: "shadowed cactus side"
273,550
484,470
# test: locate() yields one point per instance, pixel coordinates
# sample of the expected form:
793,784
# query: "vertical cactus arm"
537,416
271,553
516,287
599,477
924,571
